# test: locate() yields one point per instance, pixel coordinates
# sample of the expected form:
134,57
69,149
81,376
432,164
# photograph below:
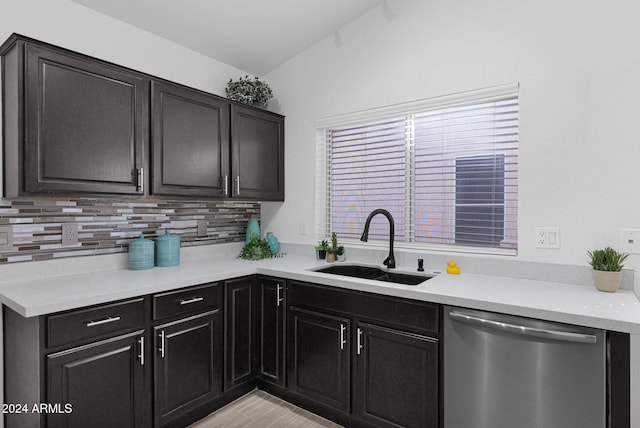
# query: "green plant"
256,249
608,260
249,90
339,250
322,246
334,241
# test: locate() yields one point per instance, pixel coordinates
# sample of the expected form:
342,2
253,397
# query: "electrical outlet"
69,234
547,237
202,228
630,241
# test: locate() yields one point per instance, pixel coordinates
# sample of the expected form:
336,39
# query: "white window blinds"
446,169
367,172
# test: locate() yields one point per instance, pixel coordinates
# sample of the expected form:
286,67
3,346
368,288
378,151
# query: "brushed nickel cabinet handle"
141,179
359,341
141,356
161,349
226,185
102,321
192,300
278,298
343,340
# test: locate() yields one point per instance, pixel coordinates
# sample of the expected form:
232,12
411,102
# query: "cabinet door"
240,299
396,378
86,125
188,365
190,142
271,330
257,159
102,383
319,365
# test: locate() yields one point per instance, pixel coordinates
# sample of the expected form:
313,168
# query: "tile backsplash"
107,225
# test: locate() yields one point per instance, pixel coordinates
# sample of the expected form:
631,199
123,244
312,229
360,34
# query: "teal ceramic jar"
141,254
253,228
168,250
273,243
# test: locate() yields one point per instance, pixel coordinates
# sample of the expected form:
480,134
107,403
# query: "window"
445,168
480,200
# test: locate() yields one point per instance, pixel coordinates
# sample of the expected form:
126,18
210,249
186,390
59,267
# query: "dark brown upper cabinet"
257,154
72,124
78,125
190,142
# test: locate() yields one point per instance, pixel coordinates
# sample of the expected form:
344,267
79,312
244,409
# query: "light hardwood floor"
261,410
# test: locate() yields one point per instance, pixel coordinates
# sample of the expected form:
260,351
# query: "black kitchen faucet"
390,261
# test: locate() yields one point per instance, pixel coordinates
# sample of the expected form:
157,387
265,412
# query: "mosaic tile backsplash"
107,225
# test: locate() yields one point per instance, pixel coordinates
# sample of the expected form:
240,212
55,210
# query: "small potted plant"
247,90
335,250
256,249
331,255
607,267
321,250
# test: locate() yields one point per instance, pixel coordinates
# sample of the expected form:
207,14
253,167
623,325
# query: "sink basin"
371,272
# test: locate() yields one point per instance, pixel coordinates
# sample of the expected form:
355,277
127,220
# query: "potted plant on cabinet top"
607,267
247,90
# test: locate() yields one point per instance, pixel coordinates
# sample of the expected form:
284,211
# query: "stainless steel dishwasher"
504,371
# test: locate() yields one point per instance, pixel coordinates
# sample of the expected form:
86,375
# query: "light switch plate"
6,238
547,237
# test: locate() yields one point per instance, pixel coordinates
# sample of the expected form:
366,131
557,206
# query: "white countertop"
574,304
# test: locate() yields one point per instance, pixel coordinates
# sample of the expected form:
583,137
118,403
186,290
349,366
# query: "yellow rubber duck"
453,269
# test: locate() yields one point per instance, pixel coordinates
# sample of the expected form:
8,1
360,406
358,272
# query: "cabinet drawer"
194,299
83,324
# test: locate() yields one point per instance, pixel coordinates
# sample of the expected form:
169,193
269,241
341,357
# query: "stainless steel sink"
377,274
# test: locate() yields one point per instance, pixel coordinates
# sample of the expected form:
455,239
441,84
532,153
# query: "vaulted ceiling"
253,35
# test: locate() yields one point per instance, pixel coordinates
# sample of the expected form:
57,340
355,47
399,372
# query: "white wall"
75,27
579,69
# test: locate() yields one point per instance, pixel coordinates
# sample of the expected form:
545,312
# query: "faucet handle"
389,262
420,265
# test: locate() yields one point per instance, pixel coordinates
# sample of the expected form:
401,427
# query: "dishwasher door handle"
521,330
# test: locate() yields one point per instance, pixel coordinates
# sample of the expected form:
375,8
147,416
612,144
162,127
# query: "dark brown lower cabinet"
240,338
100,385
396,378
320,365
187,365
166,360
271,330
